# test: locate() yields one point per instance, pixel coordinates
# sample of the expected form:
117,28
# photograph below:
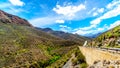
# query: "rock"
8,18
91,67
117,62
96,62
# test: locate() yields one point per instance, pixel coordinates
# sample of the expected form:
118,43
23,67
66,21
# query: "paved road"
94,54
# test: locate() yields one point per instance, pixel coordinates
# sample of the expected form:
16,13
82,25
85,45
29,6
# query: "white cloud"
112,13
69,10
16,10
17,2
96,11
65,28
101,29
7,7
95,14
109,14
60,21
93,9
81,32
63,13
44,21
114,24
101,10
96,21
86,28
89,31
113,4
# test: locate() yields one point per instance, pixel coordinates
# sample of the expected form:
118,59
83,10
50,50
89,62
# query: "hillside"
110,38
8,18
22,45
64,35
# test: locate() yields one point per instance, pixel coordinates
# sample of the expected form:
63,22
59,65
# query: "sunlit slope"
24,45
111,38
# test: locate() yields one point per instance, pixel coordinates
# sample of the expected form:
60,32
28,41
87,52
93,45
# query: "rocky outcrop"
8,18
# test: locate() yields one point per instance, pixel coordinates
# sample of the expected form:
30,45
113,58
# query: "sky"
83,17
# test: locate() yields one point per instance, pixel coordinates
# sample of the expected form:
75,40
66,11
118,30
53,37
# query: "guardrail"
111,50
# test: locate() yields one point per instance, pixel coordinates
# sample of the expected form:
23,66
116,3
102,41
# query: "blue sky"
83,17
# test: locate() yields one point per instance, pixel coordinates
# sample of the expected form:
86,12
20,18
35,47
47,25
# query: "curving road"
94,54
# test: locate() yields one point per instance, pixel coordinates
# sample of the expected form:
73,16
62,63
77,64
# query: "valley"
24,46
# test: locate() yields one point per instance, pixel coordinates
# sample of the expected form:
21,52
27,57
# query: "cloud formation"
65,28
89,31
60,21
69,10
45,21
109,14
114,24
113,10
97,11
77,17
17,2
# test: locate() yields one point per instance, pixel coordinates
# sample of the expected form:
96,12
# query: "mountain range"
25,46
65,35
22,45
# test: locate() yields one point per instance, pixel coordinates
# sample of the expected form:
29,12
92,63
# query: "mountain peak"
9,18
47,29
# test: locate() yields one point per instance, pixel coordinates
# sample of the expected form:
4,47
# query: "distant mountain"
110,38
93,35
8,18
64,35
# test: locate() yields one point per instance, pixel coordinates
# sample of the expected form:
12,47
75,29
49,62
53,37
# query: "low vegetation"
24,46
78,60
110,38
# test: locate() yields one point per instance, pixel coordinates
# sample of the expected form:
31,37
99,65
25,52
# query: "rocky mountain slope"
110,38
8,18
22,45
